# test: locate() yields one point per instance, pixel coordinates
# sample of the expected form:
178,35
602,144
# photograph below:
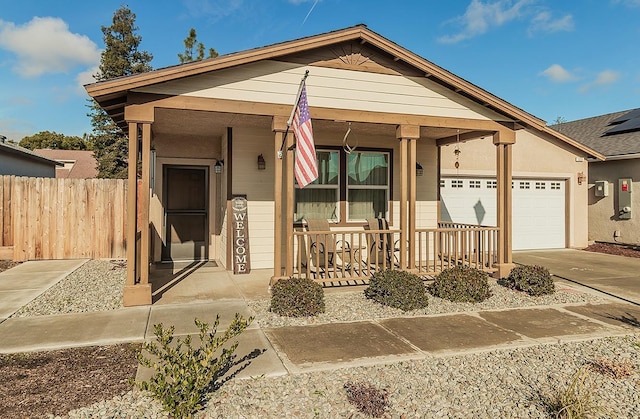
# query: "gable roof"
84,164
15,149
612,134
111,95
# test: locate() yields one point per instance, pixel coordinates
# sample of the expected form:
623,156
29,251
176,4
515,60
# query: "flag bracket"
290,120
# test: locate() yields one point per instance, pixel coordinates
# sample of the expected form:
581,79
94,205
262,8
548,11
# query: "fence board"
46,218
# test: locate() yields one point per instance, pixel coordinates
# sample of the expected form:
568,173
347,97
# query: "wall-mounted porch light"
419,169
261,163
217,168
581,178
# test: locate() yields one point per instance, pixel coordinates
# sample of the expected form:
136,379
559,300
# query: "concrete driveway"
617,276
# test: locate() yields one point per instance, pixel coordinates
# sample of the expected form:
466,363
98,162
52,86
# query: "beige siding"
277,82
603,211
534,156
257,185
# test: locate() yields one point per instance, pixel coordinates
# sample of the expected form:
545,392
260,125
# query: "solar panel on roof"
627,126
627,116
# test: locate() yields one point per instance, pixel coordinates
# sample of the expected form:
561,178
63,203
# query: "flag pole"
293,111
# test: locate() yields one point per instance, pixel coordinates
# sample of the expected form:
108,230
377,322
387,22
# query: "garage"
538,208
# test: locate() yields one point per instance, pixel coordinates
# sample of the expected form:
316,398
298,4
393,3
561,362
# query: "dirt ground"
7,264
34,385
613,249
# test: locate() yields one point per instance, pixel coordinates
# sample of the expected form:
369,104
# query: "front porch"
336,257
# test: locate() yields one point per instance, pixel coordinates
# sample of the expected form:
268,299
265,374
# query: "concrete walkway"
23,283
616,276
305,348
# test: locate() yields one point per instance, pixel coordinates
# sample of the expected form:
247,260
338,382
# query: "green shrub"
461,284
184,374
534,280
297,297
397,289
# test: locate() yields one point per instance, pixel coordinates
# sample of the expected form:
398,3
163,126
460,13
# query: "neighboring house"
206,132
20,161
614,184
76,164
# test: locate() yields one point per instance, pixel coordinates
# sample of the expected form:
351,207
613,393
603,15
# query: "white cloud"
603,78
480,17
545,23
45,45
558,74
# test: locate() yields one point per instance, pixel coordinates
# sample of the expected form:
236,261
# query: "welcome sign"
240,231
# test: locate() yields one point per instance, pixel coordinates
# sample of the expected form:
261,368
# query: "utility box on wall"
624,198
601,188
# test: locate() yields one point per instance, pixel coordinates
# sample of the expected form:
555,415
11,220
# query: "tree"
48,139
121,57
191,43
559,120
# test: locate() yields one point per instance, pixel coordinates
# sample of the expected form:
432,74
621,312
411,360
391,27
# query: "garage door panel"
538,208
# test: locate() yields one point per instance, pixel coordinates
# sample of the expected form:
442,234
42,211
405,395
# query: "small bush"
397,289
461,284
184,374
576,400
367,399
534,280
297,297
613,369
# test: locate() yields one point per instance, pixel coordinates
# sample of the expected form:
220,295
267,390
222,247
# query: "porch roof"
111,95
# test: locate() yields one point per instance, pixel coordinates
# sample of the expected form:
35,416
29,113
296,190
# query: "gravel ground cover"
96,286
499,383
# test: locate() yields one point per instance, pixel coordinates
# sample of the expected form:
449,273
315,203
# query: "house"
76,164
20,161
209,135
612,182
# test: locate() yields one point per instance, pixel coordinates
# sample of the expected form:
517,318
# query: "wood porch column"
289,159
407,134
504,140
137,290
278,126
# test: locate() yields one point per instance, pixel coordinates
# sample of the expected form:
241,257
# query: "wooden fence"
45,218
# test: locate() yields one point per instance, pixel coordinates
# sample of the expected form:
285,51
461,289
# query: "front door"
186,198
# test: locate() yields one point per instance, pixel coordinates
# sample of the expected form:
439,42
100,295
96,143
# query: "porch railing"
353,256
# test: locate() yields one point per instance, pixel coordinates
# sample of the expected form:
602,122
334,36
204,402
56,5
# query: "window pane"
368,168
367,203
316,203
328,168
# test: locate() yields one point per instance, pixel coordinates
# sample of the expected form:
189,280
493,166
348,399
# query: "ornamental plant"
183,373
397,289
297,297
461,284
532,279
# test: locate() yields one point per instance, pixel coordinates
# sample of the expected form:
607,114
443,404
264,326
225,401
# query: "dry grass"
577,399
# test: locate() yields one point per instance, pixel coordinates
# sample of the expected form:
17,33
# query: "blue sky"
552,58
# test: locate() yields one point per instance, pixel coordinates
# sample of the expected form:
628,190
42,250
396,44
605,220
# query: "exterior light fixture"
581,178
261,163
217,168
419,169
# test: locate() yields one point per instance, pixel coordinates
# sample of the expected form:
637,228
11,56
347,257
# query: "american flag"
306,167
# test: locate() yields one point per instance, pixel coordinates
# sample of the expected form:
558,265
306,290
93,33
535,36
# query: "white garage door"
538,208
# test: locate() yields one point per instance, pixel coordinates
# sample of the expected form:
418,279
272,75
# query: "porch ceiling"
205,123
